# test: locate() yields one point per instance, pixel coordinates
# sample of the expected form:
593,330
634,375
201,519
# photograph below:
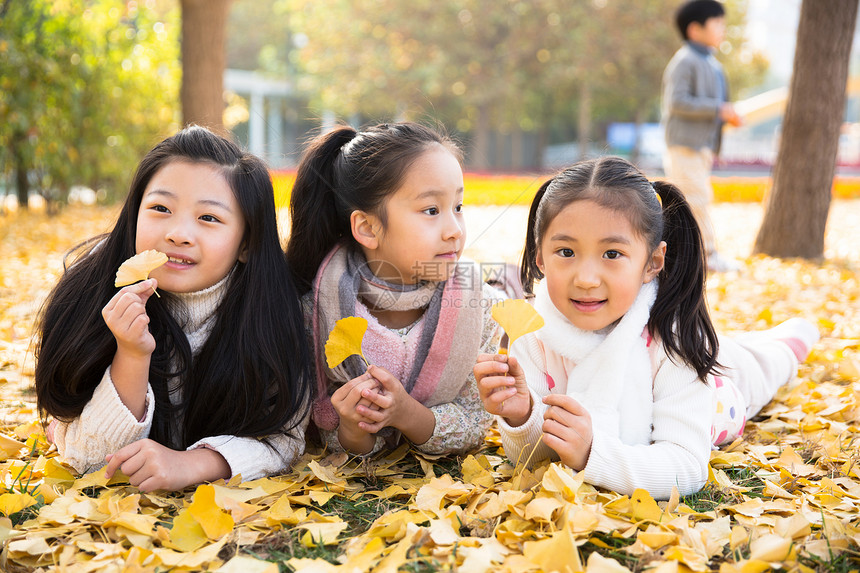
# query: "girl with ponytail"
627,381
376,232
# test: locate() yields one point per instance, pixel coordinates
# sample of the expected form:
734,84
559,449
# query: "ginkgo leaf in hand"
138,267
345,340
516,317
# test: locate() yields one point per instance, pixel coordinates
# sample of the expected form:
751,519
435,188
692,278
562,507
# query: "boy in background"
695,107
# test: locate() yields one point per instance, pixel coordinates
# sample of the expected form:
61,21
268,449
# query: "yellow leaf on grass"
321,533
9,447
597,563
54,472
688,556
138,267
516,317
186,534
345,340
14,502
543,507
326,473
143,524
476,473
247,564
280,511
555,553
655,539
215,521
644,506
560,479
770,547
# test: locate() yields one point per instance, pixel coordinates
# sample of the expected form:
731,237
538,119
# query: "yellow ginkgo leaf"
187,534
14,502
215,521
345,340
516,317
138,267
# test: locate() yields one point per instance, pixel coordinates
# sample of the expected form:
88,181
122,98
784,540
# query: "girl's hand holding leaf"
501,382
345,401
503,388
125,316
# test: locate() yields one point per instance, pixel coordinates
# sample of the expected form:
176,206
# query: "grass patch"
712,496
615,549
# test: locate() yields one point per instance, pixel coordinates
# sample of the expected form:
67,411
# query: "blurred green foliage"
507,65
86,88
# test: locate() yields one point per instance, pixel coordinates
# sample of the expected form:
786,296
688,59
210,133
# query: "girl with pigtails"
377,231
627,382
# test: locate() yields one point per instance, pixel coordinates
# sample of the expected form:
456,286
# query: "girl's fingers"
492,358
132,466
381,401
388,381
366,403
139,291
148,485
371,428
372,416
566,403
489,368
492,383
500,396
115,460
347,389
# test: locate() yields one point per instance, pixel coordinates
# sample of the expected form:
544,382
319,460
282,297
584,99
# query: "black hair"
251,378
679,316
699,11
343,171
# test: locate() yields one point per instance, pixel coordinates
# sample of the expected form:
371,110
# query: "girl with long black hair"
207,381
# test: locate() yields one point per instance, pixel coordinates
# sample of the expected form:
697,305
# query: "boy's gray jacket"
692,101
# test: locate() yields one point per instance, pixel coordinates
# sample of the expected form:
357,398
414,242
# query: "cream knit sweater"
106,424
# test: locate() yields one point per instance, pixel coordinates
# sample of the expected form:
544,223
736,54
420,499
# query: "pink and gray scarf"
450,334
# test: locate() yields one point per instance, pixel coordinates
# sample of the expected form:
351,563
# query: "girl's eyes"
611,254
205,218
435,210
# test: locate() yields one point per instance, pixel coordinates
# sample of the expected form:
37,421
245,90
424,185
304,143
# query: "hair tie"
343,148
654,189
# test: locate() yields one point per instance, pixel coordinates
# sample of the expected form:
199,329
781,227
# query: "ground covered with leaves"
786,496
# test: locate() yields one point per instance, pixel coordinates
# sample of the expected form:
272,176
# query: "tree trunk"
19,162
480,158
584,119
204,27
540,147
517,143
796,209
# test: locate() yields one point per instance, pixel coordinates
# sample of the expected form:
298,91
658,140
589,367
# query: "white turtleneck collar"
198,307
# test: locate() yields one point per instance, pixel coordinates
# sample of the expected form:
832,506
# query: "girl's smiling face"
594,264
424,232
189,212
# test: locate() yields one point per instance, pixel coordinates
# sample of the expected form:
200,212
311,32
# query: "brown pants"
690,170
